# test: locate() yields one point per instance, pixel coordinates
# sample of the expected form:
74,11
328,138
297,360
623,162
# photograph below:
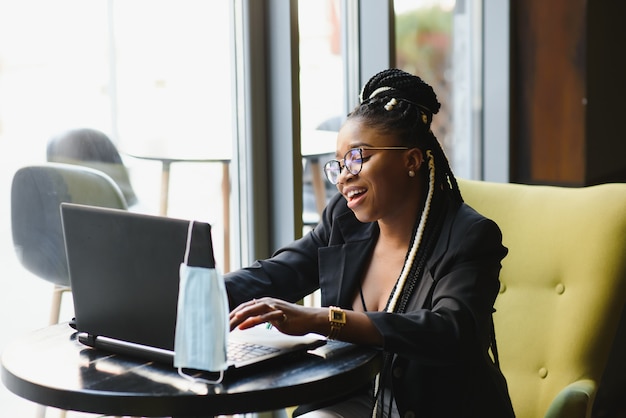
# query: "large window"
153,75
170,90
322,98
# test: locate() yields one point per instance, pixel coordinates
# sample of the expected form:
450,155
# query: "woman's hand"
288,318
293,319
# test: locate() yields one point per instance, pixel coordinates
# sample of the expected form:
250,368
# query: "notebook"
124,274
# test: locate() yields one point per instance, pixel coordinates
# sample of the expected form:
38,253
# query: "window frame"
267,170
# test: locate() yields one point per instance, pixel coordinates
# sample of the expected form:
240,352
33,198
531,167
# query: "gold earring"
411,173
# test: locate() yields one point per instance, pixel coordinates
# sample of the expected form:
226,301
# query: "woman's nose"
344,173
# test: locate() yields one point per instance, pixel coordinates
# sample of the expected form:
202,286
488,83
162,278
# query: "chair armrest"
574,401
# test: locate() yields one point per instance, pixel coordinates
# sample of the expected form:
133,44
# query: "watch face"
338,316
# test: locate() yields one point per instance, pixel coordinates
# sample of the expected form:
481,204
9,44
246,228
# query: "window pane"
439,40
321,98
173,103
173,75
54,72
153,75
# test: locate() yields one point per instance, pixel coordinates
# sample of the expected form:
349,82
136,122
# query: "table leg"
165,187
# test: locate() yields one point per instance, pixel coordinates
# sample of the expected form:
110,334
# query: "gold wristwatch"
337,319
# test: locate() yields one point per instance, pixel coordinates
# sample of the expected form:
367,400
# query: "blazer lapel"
342,263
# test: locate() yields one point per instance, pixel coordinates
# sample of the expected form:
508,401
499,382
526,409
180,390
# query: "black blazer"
441,364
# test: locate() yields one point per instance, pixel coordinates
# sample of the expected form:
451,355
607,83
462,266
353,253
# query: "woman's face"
383,189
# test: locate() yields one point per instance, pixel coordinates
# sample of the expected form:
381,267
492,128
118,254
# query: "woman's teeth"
353,193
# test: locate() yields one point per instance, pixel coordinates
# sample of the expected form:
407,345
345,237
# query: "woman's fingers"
255,312
274,317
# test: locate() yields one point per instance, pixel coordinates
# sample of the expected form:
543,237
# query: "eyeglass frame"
360,149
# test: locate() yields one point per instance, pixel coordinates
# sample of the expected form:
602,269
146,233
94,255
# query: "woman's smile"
353,195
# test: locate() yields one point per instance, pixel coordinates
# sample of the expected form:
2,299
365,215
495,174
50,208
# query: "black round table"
51,367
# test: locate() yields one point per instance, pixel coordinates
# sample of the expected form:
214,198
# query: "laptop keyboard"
242,351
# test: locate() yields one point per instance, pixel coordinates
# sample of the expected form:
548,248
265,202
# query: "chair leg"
57,297
41,412
55,312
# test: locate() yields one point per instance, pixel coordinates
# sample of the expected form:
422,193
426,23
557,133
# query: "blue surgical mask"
202,325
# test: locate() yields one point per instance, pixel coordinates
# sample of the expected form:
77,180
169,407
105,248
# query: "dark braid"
401,104
409,86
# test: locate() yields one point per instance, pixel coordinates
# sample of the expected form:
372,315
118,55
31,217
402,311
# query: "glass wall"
440,40
154,76
424,48
322,107
172,107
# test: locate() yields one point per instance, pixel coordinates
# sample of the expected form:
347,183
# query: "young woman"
402,263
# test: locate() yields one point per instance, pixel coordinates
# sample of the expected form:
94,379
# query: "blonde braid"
408,264
418,236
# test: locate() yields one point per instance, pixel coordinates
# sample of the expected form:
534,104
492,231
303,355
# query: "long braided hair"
402,104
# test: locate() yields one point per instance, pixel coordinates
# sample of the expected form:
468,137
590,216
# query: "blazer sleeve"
464,283
292,272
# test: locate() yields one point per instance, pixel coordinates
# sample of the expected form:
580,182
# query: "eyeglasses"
352,161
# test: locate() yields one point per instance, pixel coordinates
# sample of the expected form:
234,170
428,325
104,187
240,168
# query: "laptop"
124,274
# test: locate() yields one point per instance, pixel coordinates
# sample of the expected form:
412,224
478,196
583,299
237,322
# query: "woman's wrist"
336,320
321,325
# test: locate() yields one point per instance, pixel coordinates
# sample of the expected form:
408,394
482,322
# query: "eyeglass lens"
352,161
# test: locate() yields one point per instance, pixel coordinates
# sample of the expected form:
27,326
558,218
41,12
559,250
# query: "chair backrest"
92,148
563,288
36,196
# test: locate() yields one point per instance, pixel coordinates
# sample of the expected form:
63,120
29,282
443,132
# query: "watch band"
337,319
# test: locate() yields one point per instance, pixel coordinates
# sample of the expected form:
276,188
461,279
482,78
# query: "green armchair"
563,290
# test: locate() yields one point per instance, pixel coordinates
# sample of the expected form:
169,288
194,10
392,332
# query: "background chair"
92,148
36,195
563,291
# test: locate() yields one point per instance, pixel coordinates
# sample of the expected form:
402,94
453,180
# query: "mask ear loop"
188,246
180,369
200,379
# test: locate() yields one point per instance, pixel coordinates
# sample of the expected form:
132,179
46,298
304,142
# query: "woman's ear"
415,159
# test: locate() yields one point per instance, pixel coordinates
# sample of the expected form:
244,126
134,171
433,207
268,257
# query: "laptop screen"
124,271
